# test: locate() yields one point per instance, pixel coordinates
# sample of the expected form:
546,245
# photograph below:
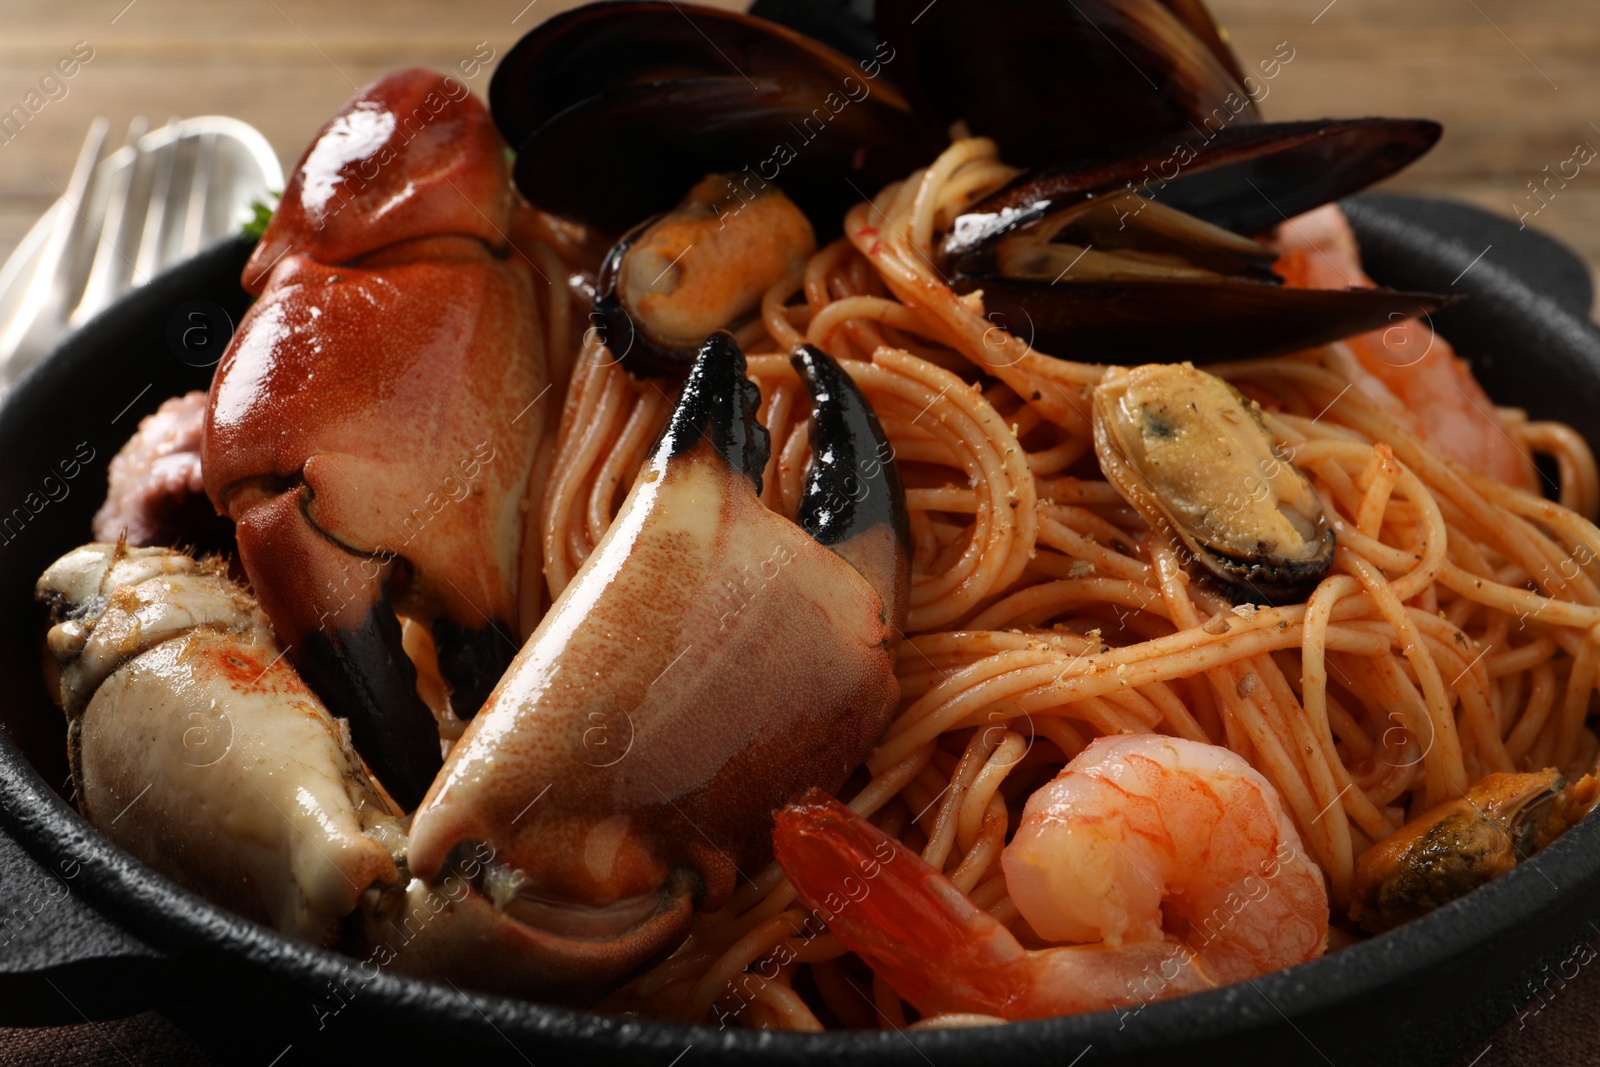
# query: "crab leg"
196,747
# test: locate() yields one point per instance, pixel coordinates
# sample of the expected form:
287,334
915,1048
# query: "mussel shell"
842,24
1198,19
848,25
616,159
1250,581
1330,160
599,47
1245,178
616,329
1195,321
1047,79
1114,225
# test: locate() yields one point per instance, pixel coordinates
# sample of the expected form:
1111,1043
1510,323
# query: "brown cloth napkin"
146,1040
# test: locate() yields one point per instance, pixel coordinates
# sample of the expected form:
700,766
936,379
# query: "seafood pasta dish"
923,537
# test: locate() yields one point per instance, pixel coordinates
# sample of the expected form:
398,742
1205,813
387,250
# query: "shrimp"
1403,366
1171,863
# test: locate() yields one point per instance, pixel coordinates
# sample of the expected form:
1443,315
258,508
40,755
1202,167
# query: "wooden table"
1516,82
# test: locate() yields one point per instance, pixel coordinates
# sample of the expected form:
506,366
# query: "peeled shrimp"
1172,863
1403,365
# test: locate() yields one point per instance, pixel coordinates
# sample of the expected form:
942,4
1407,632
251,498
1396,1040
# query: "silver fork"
42,317
110,261
153,238
128,246
174,204
124,218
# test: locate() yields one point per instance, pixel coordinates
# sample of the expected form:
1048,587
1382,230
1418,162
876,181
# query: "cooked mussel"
1196,461
1454,847
600,96
1119,235
1095,261
676,279
593,103
628,154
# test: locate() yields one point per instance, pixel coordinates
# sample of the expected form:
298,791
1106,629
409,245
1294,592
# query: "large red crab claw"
710,660
371,427
413,155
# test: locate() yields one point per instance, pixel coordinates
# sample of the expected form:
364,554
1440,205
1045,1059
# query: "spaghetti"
1458,635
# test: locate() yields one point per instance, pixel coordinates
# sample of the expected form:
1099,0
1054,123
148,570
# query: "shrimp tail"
896,912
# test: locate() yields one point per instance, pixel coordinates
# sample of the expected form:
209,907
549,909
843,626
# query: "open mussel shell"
1301,166
598,47
618,158
1047,79
1242,178
1121,258
1209,321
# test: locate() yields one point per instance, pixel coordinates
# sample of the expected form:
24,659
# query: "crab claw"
853,501
451,929
195,745
373,425
710,660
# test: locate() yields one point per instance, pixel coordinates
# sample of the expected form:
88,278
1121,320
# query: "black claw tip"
718,406
365,676
471,661
853,484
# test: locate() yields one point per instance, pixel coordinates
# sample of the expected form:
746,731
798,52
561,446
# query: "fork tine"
199,183
111,263
42,314
151,240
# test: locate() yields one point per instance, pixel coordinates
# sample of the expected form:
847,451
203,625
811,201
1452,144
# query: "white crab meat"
196,746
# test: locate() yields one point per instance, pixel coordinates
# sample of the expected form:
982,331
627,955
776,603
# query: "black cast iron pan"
91,932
